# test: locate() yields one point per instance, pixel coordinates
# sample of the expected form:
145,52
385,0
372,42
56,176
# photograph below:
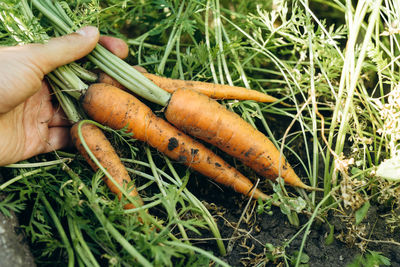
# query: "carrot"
206,119
118,109
106,155
215,91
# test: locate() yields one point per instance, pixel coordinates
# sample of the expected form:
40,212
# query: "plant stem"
309,223
61,232
172,207
106,223
199,250
38,164
25,175
105,60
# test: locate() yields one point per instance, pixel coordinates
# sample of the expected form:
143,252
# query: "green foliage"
11,203
361,213
285,48
304,259
370,259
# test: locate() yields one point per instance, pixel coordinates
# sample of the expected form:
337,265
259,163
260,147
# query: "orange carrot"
215,91
118,109
106,155
206,119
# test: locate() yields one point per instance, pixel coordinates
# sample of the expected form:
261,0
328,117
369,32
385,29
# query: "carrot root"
106,155
204,118
118,109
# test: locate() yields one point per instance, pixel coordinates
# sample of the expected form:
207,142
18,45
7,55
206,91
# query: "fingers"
62,50
116,46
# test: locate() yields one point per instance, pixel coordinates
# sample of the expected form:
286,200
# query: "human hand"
29,122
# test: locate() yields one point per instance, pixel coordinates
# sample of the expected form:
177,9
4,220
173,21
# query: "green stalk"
153,168
348,75
76,235
178,56
207,36
25,175
66,103
62,84
354,79
70,79
83,73
175,34
38,164
76,245
219,42
106,223
61,232
107,61
186,194
238,64
199,250
315,158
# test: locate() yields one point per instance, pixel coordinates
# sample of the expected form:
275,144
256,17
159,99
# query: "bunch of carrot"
188,110
192,110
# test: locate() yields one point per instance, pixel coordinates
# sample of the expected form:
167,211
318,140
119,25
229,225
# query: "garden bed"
332,65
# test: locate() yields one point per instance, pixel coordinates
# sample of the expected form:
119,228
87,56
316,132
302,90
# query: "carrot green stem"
186,194
172,39
24,175
77,239
83,73
75,243
207,36
38,164
66,104
153,168
106,223
206,214
61,232
65,73
104,59
198,250
62,84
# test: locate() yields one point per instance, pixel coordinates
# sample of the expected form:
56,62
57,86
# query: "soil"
258,230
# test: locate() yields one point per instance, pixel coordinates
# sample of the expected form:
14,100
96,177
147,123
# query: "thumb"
62,50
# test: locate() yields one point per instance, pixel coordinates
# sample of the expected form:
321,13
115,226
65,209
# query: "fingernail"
88,31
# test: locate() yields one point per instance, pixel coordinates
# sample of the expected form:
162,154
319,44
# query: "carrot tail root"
106,155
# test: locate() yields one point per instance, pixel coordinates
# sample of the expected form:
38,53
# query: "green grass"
335,62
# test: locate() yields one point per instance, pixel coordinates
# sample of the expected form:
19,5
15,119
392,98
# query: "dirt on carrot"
107,156
204,118
118,109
